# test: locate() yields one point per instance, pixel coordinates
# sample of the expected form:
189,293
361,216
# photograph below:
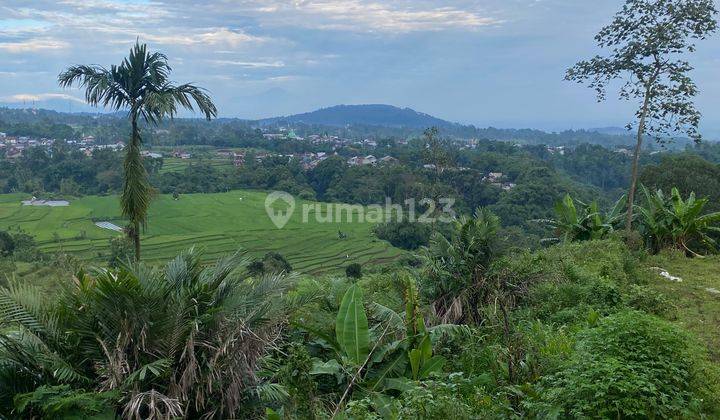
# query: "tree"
688,173
435,153
647,39
139,85
7,244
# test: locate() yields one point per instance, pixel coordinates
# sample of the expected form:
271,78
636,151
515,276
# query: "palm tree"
184,340
457,266
139,85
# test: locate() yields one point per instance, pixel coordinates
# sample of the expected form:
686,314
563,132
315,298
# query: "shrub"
353,271
63,402
122,250
274,262
456,397
7,244
571,299
651,301
271,263
405,234
632,365
295,376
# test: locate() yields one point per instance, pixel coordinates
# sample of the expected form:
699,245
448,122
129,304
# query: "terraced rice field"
219,223
171,164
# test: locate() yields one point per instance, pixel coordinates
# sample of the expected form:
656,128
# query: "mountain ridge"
382,115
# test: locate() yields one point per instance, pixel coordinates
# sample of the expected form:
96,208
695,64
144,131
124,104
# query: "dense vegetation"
471,315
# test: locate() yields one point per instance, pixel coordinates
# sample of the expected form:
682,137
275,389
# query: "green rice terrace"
219,223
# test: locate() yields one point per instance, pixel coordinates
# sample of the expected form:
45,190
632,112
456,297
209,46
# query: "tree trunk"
636,159
136,240
136,225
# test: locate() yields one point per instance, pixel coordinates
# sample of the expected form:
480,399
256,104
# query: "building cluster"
560,150
15,145
371,160
498,179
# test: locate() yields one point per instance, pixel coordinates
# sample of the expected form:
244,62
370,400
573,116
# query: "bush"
632,365
571,299
648,300
271,263
295,376
122,250
63,402
353,271
7,244
456,397
405,234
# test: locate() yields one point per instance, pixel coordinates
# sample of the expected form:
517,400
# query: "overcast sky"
486,62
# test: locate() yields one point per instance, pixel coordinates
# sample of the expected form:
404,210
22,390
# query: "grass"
220,223
698,304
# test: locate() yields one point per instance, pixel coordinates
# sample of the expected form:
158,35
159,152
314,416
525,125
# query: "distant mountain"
615,131
369,115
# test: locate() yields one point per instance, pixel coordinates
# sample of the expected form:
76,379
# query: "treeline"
226,132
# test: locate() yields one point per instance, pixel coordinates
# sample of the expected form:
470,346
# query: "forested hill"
394,121
372,114
347,121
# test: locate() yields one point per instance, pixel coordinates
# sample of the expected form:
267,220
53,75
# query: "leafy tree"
271,263
139,85
435,152
646,39
406,235
68,187
688,173
7,243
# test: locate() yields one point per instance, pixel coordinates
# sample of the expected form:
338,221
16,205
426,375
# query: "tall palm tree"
139,85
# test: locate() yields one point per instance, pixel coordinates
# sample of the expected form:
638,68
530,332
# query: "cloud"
209,36
29,97
249,64
372,16
33,45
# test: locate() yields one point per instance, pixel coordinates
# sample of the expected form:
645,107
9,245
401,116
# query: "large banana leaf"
351,326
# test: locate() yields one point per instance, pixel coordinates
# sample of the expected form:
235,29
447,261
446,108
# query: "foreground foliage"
585,223
673,222
184,340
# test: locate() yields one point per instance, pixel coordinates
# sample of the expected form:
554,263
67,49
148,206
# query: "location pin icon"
277,215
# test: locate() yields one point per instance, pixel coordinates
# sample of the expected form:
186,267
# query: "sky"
486,62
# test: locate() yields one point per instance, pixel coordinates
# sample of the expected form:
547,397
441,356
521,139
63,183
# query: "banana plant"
391,354
583,224
674,222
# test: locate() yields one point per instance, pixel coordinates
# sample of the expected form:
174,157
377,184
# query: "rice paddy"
220,223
